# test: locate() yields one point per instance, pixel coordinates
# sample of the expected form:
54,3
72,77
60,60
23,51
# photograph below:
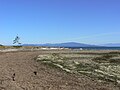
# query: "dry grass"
100,65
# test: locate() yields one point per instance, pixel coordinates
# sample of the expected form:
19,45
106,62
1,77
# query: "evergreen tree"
16,40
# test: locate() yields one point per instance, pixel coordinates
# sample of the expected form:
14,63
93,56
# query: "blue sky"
54,21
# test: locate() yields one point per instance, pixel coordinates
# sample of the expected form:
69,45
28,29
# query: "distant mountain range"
111,45
68,44
74,44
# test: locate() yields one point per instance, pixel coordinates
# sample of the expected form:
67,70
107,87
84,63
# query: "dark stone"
13,77
35,72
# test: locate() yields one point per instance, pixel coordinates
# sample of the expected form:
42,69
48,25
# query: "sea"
96,48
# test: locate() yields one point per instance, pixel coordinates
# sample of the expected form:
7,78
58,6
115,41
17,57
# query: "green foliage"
86,67
107,58
17,47
16,40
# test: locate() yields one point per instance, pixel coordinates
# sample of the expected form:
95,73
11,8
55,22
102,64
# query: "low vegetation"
103,67
16,47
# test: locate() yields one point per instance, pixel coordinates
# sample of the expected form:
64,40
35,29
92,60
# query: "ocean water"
96,48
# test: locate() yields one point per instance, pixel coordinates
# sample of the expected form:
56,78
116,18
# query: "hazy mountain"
112,44
67,44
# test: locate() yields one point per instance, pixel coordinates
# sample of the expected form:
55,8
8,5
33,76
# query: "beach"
21,70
